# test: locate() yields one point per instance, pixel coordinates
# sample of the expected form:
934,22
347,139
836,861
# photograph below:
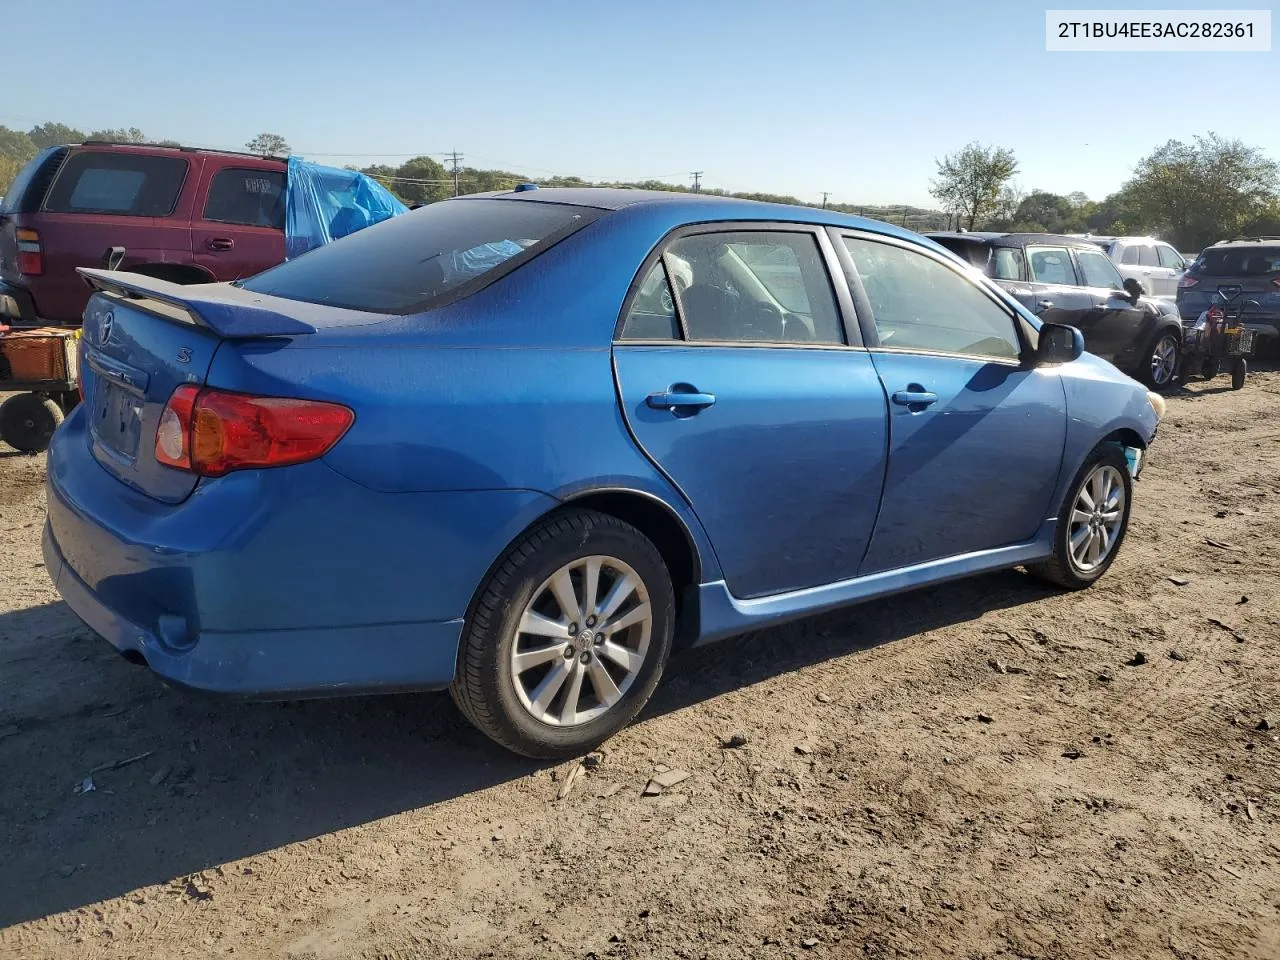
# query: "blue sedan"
521,445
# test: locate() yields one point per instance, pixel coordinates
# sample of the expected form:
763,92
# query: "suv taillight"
212,432
30,254
1187,282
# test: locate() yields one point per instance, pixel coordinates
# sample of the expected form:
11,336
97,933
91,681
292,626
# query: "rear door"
1172,267
112,198
975,437
239,226
744,390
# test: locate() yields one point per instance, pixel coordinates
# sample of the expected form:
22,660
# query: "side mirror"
1059,343
1134,289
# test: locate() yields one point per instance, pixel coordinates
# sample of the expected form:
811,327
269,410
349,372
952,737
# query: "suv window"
434,255
1239,261
124,184
1099,271
919,303
1130,256
1007,263
1147,256
1169,257
254,198
744,286
1052,265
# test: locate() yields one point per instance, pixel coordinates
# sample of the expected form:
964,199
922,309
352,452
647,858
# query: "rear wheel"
1092,522
27,421
568,637
1239,369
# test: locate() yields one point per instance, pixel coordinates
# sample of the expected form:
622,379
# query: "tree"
16,145
54,134
9,170
1198,193
409,183
1011,197
269,145
121,135
1045,212
970,181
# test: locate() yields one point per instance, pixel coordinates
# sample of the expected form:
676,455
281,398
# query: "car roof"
1017,239
165,148
1244,241
695,207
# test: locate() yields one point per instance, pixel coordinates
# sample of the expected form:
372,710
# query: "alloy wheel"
1096,518
1164,360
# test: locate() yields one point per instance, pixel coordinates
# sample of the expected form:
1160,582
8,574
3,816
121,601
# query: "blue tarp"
324,204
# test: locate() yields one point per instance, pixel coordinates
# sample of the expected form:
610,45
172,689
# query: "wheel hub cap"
1097,517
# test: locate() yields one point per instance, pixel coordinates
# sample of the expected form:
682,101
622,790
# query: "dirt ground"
982,769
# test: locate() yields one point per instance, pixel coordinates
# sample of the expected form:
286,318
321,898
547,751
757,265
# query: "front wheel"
568,637
1092,522
1162,362
1239,369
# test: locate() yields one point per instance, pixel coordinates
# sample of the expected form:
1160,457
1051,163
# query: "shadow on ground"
244,778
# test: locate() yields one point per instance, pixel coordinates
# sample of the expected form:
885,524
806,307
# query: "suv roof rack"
178,146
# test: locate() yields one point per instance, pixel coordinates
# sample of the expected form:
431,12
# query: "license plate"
117,418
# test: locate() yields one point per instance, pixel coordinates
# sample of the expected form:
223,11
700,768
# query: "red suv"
185,215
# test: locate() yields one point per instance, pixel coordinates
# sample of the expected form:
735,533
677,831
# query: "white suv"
1153,263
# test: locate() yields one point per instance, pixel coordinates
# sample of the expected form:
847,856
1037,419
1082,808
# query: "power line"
697,181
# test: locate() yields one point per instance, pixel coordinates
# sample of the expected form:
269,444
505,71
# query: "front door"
1113,325
975,436
741,388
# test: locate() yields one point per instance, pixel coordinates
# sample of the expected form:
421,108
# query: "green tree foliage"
1197,193
54,134
269,145
1047,213
969,182
119,135
16,145
421,180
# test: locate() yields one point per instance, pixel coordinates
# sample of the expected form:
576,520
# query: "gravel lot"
983,769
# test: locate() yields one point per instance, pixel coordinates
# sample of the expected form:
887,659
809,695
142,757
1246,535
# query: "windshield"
426,258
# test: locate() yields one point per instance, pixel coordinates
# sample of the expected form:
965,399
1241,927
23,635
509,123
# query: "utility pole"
825,194
455,157
697,181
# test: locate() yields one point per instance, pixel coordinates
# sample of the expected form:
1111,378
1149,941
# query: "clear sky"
787,96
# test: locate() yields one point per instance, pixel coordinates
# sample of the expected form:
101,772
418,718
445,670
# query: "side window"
653,315
1052,265
1007,263
1147,256
125,184
254,198
753,286
1130,256
921,304
1169,257
1099,271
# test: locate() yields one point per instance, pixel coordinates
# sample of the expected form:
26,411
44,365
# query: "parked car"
1253,265
174,213
355,472
1069,280
1153,263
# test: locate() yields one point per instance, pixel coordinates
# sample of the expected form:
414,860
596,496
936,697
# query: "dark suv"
1252,266
185,215
1070,280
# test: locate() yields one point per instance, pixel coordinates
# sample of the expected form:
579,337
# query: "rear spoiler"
227,311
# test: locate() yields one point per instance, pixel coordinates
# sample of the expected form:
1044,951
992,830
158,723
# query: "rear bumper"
274,664
289,583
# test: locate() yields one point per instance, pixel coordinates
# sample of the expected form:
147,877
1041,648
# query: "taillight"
30,254
1275,281
1187,282
212,432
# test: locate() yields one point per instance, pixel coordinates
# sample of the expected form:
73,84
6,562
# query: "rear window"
1239,262
248,196
435,255
124,184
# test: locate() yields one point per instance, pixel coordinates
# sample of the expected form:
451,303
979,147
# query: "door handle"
219,243
1042,305
915,397
682,400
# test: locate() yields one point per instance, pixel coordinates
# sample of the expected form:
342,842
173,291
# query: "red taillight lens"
212,432
1187,282
30,254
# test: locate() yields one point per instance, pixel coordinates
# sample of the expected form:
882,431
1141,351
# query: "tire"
1210,369
1159,370
1062,568
27,422
503,702
1239,370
